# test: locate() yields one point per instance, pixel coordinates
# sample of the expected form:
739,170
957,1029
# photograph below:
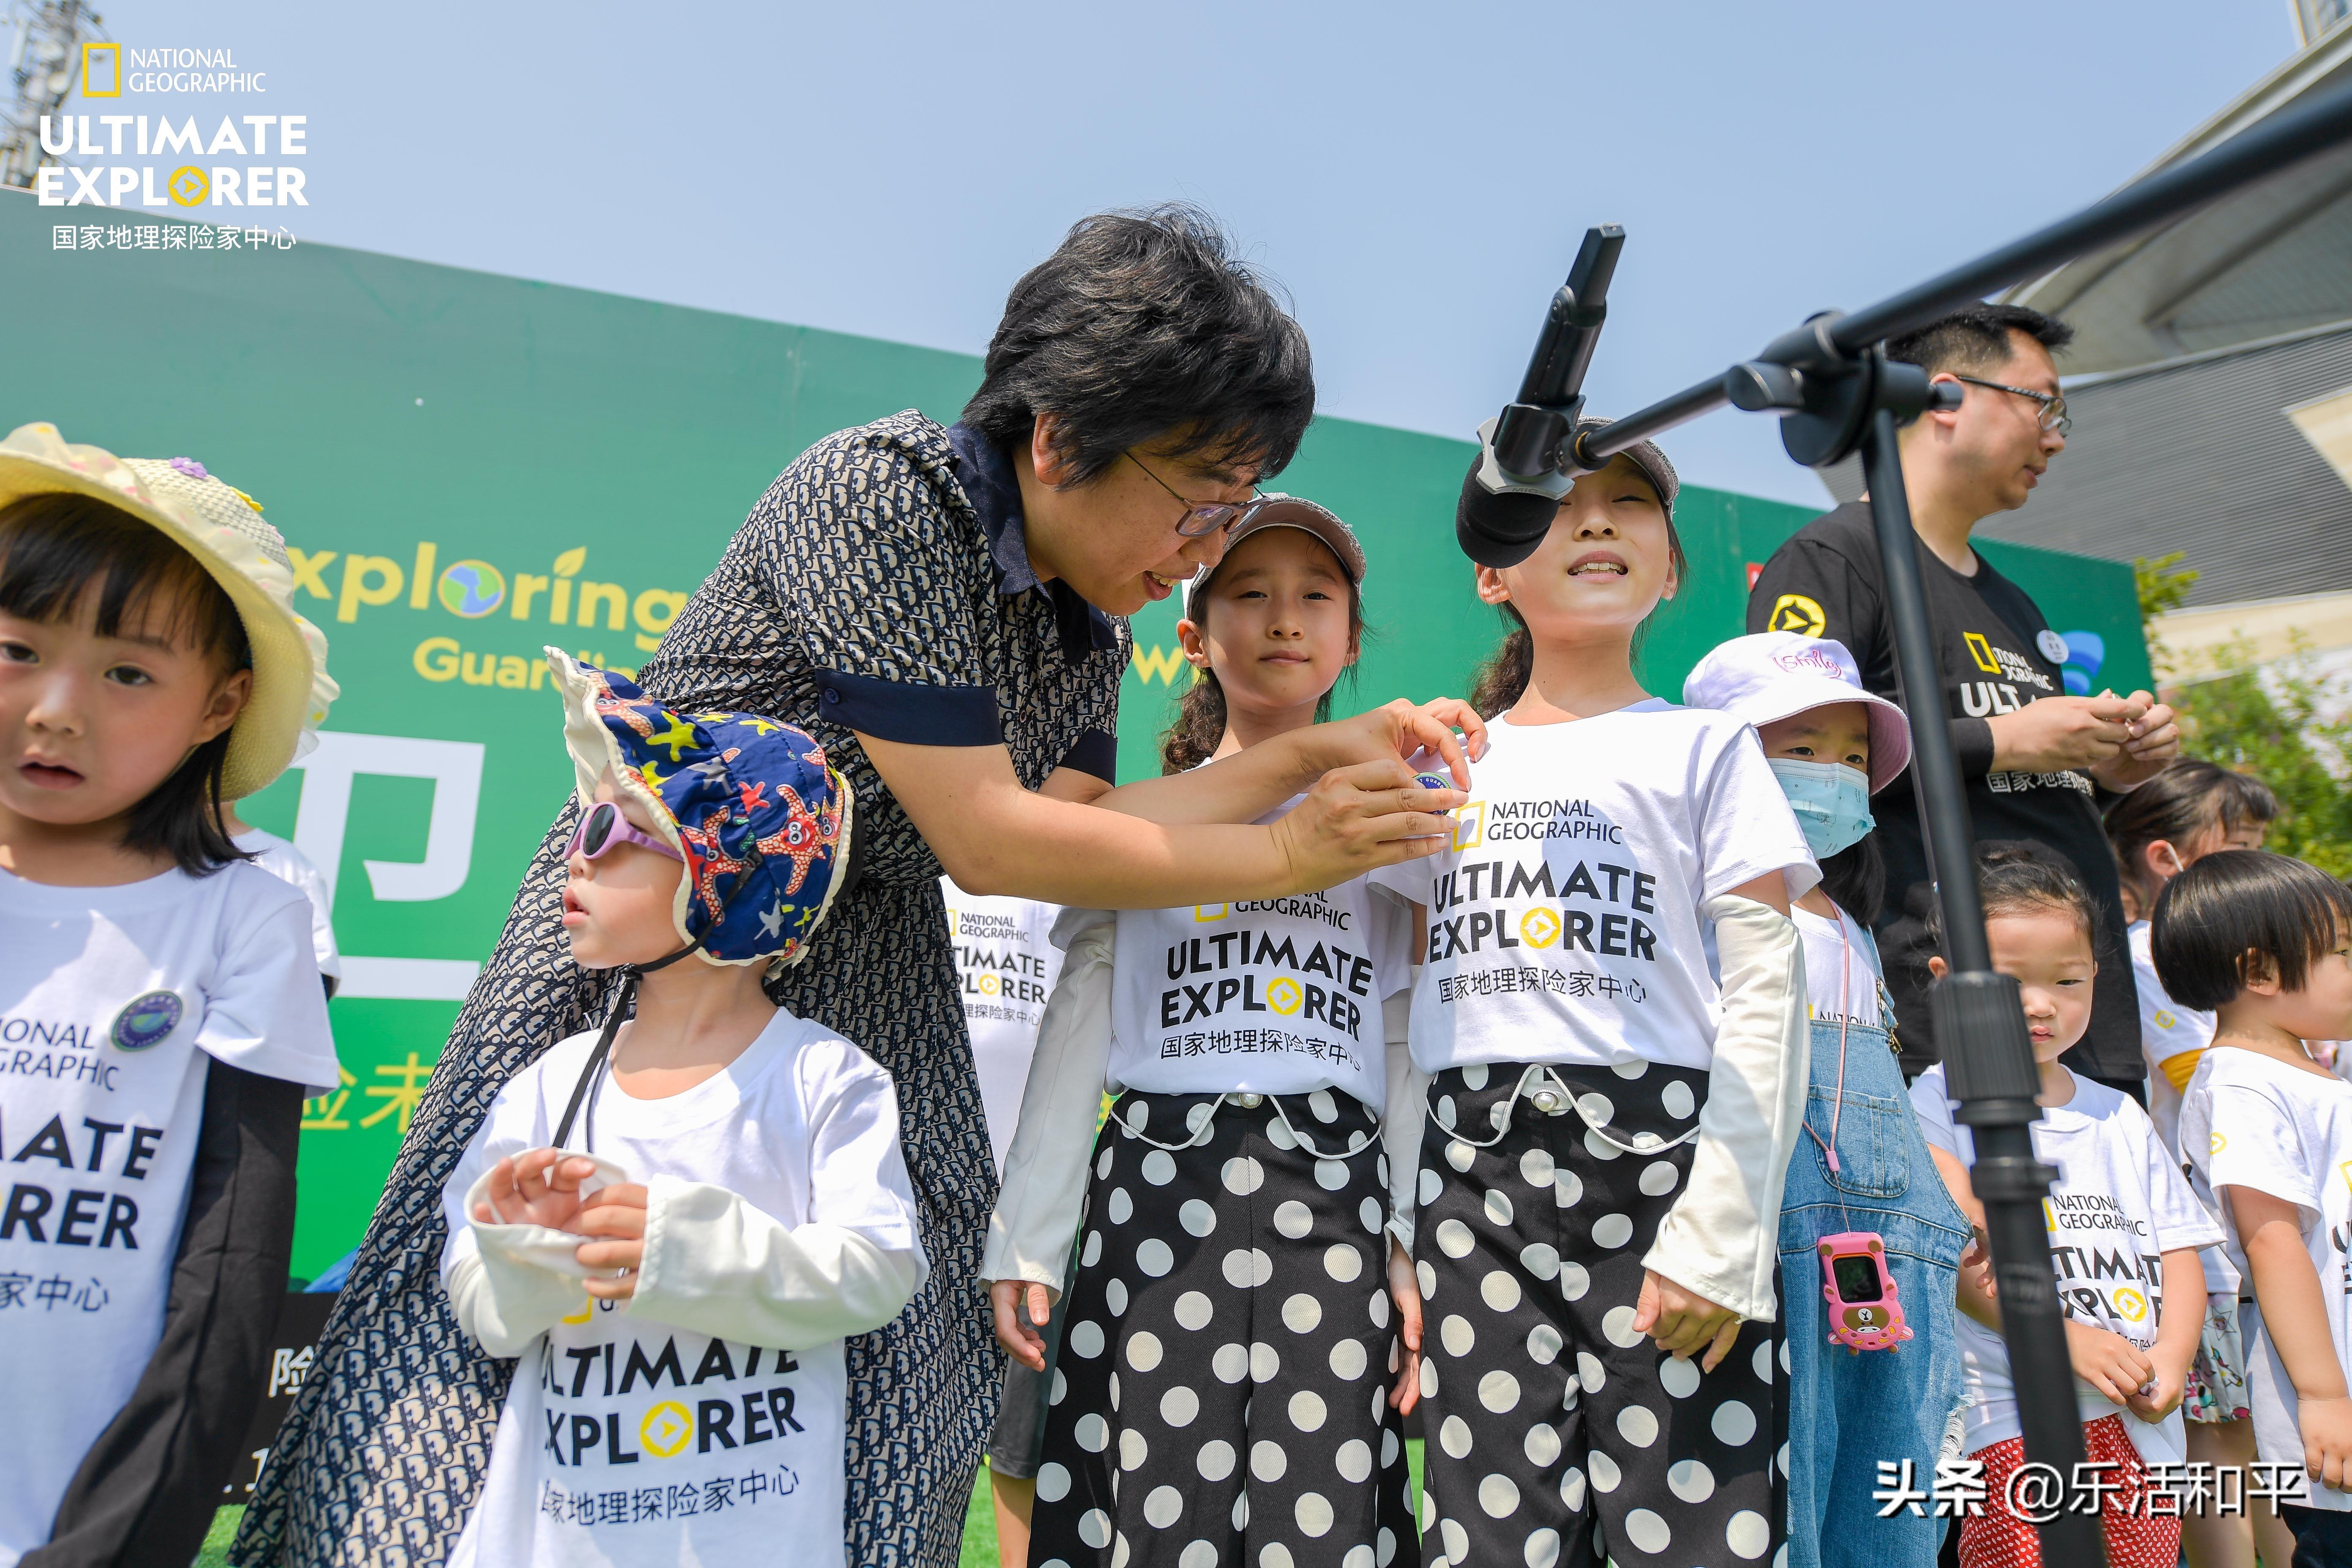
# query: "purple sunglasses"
604,827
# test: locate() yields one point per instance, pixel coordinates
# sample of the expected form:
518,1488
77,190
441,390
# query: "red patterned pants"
2137,1536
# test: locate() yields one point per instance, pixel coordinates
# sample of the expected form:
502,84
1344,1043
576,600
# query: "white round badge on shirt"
2053,647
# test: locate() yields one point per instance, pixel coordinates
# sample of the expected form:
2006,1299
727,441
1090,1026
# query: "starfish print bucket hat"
750,804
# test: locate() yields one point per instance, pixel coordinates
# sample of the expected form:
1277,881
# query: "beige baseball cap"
1274,510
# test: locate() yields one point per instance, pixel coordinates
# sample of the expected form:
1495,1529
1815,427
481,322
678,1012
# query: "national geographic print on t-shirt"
1274,995
1564,918
1006,967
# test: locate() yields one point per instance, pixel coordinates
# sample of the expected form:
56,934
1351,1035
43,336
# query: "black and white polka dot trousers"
1222,1396
1557,1433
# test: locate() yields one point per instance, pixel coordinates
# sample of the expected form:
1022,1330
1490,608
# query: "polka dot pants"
1222,1393
1558,1434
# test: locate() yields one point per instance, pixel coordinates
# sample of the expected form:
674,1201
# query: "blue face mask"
1832,802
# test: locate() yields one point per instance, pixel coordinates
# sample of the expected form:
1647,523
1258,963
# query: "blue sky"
1417,177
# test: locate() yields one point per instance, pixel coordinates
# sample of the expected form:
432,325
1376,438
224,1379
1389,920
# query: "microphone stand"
1835,392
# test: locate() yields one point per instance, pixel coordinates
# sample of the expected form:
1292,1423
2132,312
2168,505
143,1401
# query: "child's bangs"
54,549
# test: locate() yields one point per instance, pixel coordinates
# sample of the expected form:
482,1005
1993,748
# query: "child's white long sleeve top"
1341,959
705,1416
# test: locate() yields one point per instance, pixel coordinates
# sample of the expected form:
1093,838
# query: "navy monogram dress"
881,585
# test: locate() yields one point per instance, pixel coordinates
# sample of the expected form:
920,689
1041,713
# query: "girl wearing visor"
1611,1014
1861,1167
1222,1391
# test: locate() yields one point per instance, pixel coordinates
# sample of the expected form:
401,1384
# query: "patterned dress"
881,584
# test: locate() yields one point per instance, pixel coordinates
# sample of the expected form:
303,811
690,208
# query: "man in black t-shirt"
2035,760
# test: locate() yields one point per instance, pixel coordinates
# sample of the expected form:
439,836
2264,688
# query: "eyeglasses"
1201,518
603,828
2054,406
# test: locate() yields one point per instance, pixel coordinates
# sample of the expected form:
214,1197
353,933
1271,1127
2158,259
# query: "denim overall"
1847,1412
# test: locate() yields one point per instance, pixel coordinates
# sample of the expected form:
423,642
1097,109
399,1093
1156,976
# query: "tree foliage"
2283,723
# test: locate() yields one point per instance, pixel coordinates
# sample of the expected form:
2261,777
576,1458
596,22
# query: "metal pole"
2277,144
1980,1025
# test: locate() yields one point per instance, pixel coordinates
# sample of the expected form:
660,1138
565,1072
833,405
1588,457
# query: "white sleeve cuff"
1721,1237
509,1284
1044,1186
717,1265
1401,1118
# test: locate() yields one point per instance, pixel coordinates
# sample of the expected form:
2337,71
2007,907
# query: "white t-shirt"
1838,960
112,1000
2248,1121
1564,918
1274,995
288,864
2170,1037
1006,965
672,1448
2119,1204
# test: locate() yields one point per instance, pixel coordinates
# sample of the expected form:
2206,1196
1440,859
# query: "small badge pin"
2053,647
146,1020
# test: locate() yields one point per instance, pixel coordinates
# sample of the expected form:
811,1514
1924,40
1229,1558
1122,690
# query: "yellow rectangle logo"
101,70
1982,651
1469,825
1203,913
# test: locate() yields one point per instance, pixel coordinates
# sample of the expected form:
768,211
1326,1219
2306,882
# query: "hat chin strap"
591,1076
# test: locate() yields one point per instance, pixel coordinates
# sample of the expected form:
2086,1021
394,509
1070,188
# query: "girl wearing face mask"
1860,1163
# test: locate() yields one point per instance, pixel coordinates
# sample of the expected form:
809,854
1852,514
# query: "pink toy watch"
1864,1313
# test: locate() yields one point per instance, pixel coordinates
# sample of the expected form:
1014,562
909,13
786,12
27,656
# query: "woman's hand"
1683,1322
1359,818
1022,1334
618,1212
1398,729
1405,1286
539,1186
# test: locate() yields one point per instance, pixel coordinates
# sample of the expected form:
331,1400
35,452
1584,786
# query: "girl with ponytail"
1235,1352
1611,1014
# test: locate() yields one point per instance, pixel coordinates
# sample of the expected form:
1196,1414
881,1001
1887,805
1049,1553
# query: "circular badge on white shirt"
2053,647
146,1020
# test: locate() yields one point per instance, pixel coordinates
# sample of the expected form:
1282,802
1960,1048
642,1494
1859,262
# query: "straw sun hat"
222,527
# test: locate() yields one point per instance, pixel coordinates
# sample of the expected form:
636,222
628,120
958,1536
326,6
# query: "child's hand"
618,1212
2327,1438
2108,1362
1683,1321
539,1186
1022,1334
1405,1285
2171,1381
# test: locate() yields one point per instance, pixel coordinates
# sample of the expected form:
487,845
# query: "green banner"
470,467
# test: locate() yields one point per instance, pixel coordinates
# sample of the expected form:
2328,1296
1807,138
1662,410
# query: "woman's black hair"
2235,908
1855,879
2020,877
1145,327
1505,675
2185,802
54,549
1192,737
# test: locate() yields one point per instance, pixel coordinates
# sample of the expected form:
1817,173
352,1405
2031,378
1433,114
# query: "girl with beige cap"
161,1016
